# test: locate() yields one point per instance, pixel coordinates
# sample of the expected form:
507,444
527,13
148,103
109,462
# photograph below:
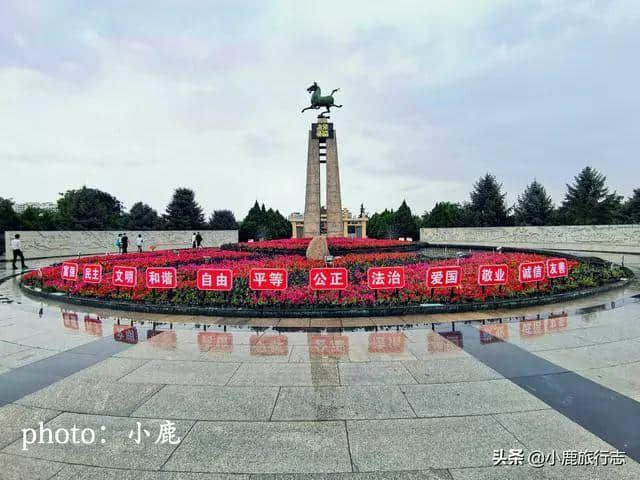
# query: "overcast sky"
139,97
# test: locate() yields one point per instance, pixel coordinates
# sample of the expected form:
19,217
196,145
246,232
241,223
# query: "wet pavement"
387,398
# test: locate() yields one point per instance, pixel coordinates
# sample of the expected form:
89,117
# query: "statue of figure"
317,100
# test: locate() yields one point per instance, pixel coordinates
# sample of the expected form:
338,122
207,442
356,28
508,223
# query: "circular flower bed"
298,294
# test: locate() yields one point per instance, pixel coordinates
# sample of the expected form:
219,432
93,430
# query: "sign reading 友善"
557,267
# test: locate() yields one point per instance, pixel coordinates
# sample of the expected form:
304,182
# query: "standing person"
139,242
198,240
193,240
118,243
124,242
17,252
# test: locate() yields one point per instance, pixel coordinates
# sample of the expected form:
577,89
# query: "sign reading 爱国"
448,276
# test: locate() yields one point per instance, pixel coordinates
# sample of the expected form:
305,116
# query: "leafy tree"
263,224
588,201
534,206
631,208
487,203
381,225
183,213
34,218
394,224
89,209
405,223
9,219
443,215
142,217
223,220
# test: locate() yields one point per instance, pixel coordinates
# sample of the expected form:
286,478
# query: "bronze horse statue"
317,100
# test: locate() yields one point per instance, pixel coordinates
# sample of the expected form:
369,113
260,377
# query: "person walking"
17,251
139,242
124,242
118,243
193,240
198,240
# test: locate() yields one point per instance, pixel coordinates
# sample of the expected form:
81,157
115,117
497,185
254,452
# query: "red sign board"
124,276
92,273
532,328
125,334
493,274
557,267
161,277
220,279
328,345
215,342
495,332
555,323
385,277
387,342
69,271
268,279
444,277
334,278
531,272
271,345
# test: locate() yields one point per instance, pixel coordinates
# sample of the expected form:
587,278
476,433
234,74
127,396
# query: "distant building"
21,207
353,227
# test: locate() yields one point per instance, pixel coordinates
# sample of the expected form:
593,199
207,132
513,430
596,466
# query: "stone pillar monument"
323,149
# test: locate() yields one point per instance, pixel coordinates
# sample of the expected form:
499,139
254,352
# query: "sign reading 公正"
268,279
333,278
492,275
214,279
531,272
124,276
69,271
161,277
444,276
92,273
557,267
385,277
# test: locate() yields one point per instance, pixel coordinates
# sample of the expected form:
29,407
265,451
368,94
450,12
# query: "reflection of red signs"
69,271
387,342
555,323
444,276
328,345
334,278
124,276
163,339
93,325
445,342
271,345
92,273
496,332
70,320
268,279
492,274
125,334
532,328
161,277
214,279
531,271
557,267
385,277
215,342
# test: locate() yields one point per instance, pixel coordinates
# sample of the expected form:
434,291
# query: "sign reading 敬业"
321,130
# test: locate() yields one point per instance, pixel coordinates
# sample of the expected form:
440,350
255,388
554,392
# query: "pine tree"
183,213
487,203
631,208
142,217
534,206
588,201
405,223
223,220
89,209
443,215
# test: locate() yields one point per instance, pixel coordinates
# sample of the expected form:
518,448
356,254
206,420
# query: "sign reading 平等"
268,279
493,275
220,279
124,276
531,272
334,278
444,276
385,277
161,277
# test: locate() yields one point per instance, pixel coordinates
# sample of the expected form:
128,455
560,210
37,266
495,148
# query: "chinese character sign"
492,275
531,272
69,271
328,278
268,279
385,277
214,279
557,267
161,277
444,277
92,273
124,276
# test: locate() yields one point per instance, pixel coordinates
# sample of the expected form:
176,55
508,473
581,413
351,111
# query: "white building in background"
21,207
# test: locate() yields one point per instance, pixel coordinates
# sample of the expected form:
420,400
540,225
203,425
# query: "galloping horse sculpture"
317,100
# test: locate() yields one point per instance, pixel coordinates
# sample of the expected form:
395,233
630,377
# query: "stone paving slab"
118,449
263,447
13,418
78,472
374,373
595,356
287,374
450,370
420,444
422,475
25,356
182,373
525,472
331,403
113,368
14,467
210,403
7,348
470,398
624,379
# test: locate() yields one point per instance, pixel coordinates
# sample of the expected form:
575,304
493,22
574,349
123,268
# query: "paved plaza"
381,398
